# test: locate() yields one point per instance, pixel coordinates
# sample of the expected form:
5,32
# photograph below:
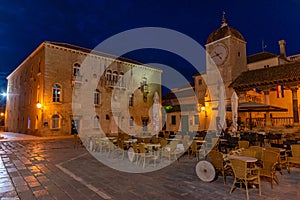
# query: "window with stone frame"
173,119
55,121
131,100
56,93
131,122
96,121
108,77
76,69
96,97
115,77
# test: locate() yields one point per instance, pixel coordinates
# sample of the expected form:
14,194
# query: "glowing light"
2,114
203,108
39,105
3,94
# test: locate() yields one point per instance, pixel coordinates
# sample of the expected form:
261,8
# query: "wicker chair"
269,163
295,159
171,150
242,174
145,156
243,144
258,152
249,153
217,160
283,159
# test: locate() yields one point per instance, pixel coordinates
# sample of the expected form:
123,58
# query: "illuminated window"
96,97
56,93
96,121
55,122
76,69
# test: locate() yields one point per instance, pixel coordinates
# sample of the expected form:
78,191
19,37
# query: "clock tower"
226,48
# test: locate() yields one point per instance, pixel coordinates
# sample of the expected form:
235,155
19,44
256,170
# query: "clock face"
219,54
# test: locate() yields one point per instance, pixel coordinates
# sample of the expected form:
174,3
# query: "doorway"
184,123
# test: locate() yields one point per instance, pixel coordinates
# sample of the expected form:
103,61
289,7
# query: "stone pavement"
53,169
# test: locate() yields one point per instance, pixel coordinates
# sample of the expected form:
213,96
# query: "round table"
205,171
243,158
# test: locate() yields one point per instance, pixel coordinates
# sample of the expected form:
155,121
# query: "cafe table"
243,158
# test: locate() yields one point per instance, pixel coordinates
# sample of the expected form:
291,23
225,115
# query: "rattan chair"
269,163
295,150
146,156
245,175
243,144
258,152
172,151
283,159
220,165
249,153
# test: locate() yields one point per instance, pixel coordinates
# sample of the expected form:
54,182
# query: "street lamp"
2,114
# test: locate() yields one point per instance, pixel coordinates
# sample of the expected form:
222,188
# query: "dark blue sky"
23,26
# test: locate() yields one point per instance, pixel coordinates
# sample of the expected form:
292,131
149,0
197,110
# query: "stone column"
267,101
295,105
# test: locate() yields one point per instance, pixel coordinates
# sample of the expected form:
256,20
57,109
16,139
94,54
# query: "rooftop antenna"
263,45
224,21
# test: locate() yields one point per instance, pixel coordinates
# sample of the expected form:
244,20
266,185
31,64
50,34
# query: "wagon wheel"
205,171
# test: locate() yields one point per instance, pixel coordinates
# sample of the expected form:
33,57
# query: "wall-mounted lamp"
39,105
202,108
2,114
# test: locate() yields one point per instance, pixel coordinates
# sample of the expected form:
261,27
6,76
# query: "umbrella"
155,110
234,109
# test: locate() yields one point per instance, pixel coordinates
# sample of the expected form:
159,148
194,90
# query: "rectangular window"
173,119
131,99
96,98
196,119
131,122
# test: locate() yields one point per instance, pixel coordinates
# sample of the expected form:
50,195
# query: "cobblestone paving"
53,169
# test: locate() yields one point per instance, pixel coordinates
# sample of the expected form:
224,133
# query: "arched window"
55,121
131,122
96,97
76,69
108,77
96,121
56,93
115,77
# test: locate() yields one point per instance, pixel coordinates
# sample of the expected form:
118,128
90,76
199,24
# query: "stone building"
61,88
264,78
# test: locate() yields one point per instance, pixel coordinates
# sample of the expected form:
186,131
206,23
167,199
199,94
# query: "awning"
257,107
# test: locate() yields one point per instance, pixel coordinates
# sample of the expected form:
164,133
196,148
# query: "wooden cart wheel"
131,154
205,171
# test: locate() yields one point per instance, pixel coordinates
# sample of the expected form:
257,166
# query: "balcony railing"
275,121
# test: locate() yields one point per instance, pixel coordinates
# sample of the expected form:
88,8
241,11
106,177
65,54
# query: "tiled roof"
268,76
224,32
260,56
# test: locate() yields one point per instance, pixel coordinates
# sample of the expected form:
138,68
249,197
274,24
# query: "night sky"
23,26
